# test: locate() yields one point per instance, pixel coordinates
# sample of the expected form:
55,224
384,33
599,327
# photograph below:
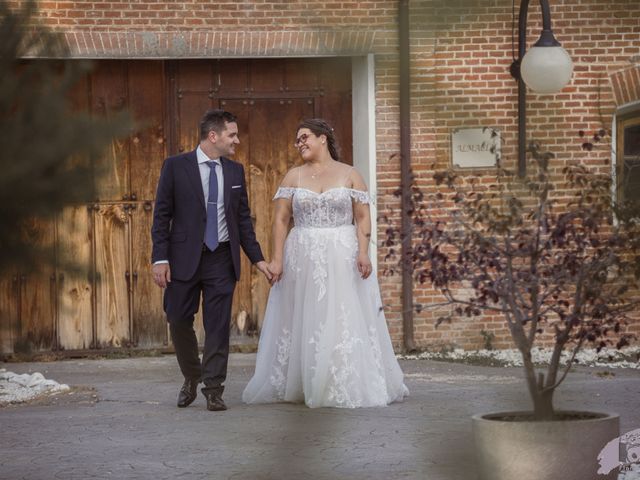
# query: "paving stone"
119,421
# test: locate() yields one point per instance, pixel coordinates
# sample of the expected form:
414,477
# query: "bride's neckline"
324,191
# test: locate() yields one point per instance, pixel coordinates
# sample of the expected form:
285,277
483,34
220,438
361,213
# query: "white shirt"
205,171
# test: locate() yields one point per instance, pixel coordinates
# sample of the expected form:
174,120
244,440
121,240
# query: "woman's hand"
364,265
275,267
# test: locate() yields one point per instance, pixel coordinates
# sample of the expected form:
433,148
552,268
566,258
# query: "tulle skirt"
324,338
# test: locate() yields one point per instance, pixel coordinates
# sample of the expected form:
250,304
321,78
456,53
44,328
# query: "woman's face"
309,146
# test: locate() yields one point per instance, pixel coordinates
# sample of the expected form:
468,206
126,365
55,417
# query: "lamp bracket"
514,69
547,40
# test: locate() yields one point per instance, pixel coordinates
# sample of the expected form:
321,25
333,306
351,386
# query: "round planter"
547,450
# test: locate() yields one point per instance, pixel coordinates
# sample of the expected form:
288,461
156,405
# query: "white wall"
364,132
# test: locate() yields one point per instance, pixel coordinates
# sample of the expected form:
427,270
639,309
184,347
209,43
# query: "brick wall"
460,53
471,86
228,28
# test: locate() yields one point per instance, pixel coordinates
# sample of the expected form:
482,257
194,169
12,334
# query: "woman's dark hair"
215,120
320,127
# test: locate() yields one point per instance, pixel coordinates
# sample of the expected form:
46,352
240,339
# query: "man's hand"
161,274
264,268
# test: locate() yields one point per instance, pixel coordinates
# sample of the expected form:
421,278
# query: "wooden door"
108,94
148,318
8,311
74,260
269,97
112,226
36,295
147,151
75,285
106,297
128,305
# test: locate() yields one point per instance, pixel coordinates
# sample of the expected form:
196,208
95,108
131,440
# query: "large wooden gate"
113,302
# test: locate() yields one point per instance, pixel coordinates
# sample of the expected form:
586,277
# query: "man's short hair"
215,120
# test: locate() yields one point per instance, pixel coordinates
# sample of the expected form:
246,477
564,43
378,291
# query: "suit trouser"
215,279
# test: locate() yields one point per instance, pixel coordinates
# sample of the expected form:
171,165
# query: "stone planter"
550,450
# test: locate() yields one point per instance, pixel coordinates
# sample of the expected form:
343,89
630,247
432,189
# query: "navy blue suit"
179,221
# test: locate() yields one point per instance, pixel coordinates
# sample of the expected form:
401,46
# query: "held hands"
275,267
161,274
364,265
264,268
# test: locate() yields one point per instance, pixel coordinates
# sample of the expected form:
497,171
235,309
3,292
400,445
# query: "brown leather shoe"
188,392
214,399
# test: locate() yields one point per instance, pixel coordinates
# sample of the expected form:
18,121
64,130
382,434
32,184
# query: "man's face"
225,142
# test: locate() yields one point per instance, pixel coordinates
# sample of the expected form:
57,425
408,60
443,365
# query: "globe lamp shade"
546,69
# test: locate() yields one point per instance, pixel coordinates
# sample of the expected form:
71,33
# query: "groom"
201,219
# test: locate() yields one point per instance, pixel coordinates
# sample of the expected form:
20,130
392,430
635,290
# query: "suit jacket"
179,217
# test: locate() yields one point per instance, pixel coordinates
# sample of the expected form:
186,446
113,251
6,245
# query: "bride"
324,338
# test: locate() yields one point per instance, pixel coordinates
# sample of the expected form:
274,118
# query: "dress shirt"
205,171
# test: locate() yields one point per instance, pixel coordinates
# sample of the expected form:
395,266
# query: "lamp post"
545,68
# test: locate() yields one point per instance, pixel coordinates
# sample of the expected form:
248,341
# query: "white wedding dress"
324,338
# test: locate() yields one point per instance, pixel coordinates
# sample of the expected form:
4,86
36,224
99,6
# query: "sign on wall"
475,147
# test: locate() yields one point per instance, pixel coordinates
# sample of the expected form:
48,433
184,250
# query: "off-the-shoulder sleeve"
284,192
360,196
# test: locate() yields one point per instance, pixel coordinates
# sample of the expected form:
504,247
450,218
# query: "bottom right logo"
622,453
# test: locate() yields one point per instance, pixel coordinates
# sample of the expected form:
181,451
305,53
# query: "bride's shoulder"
291,178
355,180
288,185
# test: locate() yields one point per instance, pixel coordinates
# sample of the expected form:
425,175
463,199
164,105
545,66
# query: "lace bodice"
329,209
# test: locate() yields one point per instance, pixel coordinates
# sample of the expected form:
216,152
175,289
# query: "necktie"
211,230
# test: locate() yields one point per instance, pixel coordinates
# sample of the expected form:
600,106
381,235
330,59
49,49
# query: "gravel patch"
607,357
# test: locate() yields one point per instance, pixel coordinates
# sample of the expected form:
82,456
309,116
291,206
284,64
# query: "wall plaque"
475,147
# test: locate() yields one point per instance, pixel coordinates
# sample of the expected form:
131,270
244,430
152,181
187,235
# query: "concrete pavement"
121,422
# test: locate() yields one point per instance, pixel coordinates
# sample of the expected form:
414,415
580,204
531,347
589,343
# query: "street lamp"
545,68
